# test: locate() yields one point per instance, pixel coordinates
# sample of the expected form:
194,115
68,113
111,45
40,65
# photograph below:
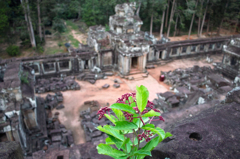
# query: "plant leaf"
119,114
161,132
109,141
108,150
151,113
142,97
117,142
150,125
125,125
151,144
110,118
116,119
142,152
168,134
141,156
125,141
133,104
111,131
157,130
123,107
137,121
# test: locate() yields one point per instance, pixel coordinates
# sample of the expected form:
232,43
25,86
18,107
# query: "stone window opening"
3,137
233,61
60,157
193,48
48,67
201,47
64,65
184,50
174,51
36,69
210,46
218,45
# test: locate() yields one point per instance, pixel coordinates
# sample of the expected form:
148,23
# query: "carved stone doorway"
134,62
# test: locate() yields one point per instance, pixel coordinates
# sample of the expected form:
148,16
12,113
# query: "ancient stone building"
124,45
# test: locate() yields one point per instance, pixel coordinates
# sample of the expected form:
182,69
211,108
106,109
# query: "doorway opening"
86,64
160,55
233,61
134,62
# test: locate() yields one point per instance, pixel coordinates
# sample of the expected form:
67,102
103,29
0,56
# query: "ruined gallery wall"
187,48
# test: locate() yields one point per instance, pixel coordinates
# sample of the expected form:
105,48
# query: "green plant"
59,44
133,115
39,49
24,78
13,50
107,28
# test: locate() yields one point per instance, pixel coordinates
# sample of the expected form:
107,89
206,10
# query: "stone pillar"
142,62
126,67
164,54
157,55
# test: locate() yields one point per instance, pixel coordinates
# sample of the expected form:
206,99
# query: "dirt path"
82,38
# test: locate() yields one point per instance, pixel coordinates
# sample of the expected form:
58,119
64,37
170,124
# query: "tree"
171,17
200,34
26,9
190,29
39,20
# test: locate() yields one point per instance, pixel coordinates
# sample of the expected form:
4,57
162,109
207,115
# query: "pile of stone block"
56,84
90,77
50,133
52,101
192,86
89,122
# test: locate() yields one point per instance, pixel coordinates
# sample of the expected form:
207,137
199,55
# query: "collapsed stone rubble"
56,84
192,86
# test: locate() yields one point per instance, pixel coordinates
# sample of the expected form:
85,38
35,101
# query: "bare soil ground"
82,38
73,100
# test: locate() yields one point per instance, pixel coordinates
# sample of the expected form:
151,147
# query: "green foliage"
39,49
24,78
60,44
58,25
13,50
133,120
107,28
72,25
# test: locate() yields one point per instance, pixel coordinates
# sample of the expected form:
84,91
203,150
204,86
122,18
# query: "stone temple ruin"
122,49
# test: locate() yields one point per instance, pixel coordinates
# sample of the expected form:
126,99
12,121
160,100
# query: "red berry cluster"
103,111
146,135
128,116
125,97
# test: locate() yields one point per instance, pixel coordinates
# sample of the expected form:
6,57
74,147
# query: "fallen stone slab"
81,76
116,85
60,107
92,81
105,86
108,74
116,80
150,67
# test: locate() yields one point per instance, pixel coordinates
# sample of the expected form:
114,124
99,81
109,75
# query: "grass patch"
72,25
54,50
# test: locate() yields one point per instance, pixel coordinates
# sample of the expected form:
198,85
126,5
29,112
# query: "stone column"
157,55
126,66
164,54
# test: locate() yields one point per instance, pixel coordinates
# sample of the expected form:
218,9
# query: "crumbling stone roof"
234,50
